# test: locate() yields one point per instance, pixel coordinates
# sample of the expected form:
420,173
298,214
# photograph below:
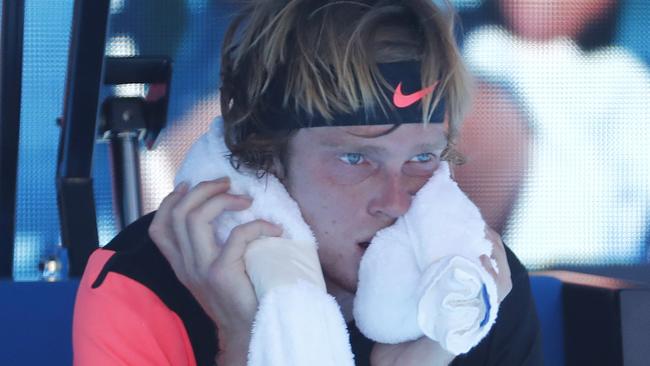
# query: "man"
306,95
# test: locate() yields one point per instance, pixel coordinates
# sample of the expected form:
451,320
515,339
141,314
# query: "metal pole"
11,71
130,165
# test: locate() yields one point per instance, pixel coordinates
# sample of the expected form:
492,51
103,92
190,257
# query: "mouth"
364,244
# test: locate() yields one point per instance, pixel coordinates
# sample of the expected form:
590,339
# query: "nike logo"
402,101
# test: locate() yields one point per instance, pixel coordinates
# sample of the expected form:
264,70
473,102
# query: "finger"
194,197
487,264
498,250
160,230
201,233
492,236
501,286
202,192
500,256
504,282
241,235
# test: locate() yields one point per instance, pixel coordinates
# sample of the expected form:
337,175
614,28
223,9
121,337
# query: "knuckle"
169,198
227,199
178,214
194,215
256,227
259,222
240,230
203,185
236,198
253,228
211,184
154,228
234,202
155,231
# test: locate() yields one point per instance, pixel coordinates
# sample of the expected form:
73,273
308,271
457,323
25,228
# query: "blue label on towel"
486,299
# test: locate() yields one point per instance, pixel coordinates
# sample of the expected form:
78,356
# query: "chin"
351,285
341,281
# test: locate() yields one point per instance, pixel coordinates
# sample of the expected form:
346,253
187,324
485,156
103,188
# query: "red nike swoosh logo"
402,101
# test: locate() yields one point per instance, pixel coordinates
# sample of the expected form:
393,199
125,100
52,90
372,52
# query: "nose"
393,196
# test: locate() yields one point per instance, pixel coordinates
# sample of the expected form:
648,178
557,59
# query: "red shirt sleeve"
122,322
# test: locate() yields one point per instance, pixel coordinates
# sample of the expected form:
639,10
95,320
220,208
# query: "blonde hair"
328,51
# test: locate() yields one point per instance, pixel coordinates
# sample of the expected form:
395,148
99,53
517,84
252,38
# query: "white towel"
423,276
297,322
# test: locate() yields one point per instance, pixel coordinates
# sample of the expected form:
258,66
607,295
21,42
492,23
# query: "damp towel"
421,276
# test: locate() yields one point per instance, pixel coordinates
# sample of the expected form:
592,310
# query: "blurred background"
558,142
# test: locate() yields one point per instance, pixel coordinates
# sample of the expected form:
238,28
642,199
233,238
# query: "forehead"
406,135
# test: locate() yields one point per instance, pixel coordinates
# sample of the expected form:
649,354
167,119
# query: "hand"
423,351
213,272
502,279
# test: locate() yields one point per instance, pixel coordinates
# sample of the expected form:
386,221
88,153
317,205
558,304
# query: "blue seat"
585,320
592,320
36,322
547,292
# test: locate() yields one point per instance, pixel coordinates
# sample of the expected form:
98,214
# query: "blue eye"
423,158
352,158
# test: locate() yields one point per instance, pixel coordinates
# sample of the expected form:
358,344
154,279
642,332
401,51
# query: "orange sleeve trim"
122,322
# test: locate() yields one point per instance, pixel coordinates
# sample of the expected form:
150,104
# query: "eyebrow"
372,149
439,145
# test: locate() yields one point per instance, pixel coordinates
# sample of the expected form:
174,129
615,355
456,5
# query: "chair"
592,320
585,320
36,322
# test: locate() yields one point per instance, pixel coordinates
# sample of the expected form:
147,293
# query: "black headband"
406,103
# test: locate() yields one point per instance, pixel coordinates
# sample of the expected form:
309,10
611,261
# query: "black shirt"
513,340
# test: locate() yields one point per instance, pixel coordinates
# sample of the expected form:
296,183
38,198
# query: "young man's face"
350,184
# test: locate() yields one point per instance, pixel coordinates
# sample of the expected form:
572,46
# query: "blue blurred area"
46,37
545,224
37,322
633,27
190,31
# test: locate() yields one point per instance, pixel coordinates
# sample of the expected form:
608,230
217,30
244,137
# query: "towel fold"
298,325
423,276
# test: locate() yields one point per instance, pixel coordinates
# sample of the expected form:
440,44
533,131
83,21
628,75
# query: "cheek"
330,206
330,209
420,171
327,185
338,173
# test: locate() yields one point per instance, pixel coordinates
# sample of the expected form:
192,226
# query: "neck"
343,297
